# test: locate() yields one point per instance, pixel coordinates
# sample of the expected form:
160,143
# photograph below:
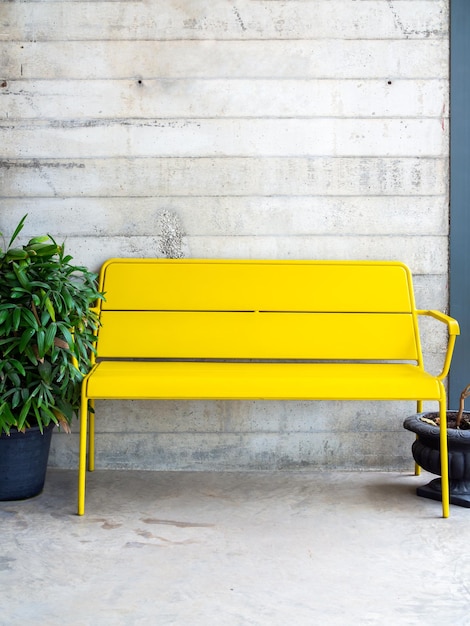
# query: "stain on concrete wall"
171,235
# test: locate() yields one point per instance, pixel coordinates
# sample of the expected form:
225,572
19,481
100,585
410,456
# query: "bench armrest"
453,330
452,324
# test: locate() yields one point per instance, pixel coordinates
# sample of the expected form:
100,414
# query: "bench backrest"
185,308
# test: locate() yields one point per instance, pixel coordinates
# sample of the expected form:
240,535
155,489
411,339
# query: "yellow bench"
280,330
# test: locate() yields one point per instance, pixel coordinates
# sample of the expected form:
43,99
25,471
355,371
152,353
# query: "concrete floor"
234,549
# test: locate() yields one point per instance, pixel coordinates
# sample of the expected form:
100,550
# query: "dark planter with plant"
426,452
46,343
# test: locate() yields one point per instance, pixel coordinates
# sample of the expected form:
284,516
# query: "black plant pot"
426,453
23,462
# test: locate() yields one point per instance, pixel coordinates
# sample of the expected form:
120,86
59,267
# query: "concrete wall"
258,129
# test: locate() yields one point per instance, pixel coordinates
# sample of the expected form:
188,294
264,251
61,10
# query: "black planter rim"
416,425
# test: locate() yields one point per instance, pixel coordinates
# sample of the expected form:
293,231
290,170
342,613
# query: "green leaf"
16,399
19,366
3,315
16,318
14,254
40,338
49,398
42,239
38,283
6,326
26,338
18,292
67,298
50,336
10,343
24,414
18,229
7,418
45,371
46,249
48,416
37,415
14,377
50,308
45,317
29,318
21,276
29,352
66,334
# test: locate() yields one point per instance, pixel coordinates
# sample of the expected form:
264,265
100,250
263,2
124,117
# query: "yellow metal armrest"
452,324
453,330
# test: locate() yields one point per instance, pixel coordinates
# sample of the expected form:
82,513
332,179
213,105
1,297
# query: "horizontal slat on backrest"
212,285
257,335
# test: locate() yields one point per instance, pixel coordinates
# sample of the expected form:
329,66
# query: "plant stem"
465,393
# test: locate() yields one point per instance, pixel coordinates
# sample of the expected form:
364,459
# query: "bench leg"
417,467
91,436
419,409
82,455
444,458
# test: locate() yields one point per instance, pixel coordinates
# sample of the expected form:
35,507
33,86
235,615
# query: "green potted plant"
47,327
426,451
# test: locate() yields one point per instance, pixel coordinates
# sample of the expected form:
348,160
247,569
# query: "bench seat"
256,381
